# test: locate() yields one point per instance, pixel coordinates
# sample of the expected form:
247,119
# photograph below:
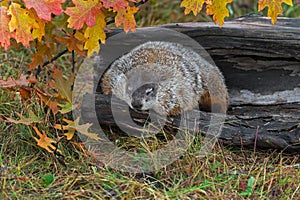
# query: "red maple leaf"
83,12
44,8
4,28
116,4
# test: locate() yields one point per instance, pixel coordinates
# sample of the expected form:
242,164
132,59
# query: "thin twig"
55,57
223,152
48,62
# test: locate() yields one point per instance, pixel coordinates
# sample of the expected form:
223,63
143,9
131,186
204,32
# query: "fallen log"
261,66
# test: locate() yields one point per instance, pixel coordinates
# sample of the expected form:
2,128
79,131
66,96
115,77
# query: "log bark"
261,66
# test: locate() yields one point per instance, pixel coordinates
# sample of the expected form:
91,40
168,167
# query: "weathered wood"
260,61
261,66
270,130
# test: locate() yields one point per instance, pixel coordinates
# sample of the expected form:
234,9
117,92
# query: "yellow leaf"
44,141
70,134
274,7
70,131
192,5
38,31
218,9
4,3
22,23
75,126
94,34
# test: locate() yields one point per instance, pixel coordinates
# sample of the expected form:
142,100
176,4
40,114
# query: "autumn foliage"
32,22
48,26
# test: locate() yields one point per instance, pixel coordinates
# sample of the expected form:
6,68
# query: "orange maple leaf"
44,8
218,9
126,17
116,4
192,5
83,12
94,34
274,7
4,28
49,100
43,53
44,141
21,23
25,92
72,43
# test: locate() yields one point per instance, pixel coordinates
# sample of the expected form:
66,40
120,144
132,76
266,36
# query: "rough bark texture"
261,66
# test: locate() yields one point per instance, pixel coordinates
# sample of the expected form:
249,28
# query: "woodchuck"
166,77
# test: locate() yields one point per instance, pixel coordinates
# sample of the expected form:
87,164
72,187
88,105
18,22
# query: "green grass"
29,172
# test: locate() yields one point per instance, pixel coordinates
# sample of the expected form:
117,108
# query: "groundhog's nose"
137,105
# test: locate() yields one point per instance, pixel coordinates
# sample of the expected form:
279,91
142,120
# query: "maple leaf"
4,3
43,53
49,100
25,92
39,30
83,12
94,34
126,17
274,7
69,130
72,43
44,141
22,23
64,88
192,5
44,8
4,28
62,85
75,126
32,119
116,4
14,82
66,107
218,9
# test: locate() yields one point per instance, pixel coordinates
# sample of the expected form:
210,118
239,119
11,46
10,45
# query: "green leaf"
47,179
250,184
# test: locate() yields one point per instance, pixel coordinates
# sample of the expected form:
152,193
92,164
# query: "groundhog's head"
144,97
